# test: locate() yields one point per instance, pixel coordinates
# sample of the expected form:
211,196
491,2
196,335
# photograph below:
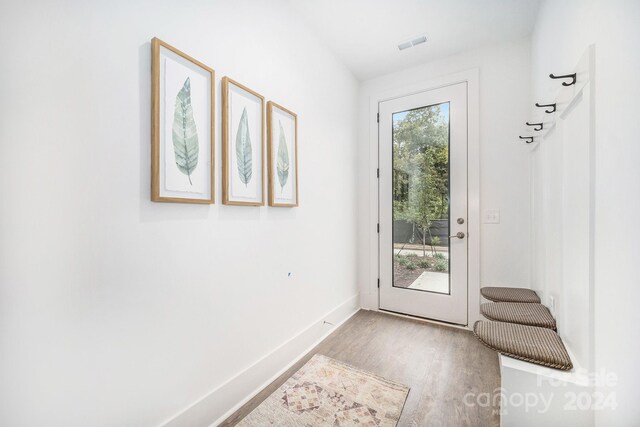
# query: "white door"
423,204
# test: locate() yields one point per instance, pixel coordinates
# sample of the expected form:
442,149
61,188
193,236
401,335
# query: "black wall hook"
536,124
528,139
553,107
566,76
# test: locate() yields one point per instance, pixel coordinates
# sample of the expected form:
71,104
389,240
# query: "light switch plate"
492,216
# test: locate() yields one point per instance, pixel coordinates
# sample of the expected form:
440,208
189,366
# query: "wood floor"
440,365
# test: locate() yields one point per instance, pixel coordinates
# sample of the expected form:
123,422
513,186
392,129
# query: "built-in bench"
534,362
534,395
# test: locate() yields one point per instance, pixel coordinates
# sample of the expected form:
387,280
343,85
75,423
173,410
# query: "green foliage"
403,260
282,163
424,263
411,262
441,265
184,133
421,155
243,149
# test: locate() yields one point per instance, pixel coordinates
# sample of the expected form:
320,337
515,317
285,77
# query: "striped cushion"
498,294
517,312
529,343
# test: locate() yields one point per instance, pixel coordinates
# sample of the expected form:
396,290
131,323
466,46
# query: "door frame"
471,77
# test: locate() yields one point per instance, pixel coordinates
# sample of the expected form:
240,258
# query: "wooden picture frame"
242,181
181,175
282,133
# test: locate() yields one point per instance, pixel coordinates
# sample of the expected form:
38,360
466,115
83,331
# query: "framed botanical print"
182,131
242,145
282,154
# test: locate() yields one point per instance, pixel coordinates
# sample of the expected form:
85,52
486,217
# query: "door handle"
459,235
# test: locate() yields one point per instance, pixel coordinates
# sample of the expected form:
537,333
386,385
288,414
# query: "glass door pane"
421,199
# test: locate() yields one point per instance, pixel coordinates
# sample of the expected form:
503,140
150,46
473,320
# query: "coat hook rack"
552,110
537,129
527,139
566,76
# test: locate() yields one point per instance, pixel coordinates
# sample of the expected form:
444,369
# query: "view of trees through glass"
421,198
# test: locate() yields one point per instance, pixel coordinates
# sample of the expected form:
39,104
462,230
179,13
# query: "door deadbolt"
460,221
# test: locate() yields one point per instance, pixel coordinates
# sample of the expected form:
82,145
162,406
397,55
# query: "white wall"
563,219
118,311
504,178
563,32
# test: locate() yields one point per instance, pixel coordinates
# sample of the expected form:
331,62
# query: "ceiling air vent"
419,40
412,42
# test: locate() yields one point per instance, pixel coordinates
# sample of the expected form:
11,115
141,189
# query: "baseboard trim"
228,397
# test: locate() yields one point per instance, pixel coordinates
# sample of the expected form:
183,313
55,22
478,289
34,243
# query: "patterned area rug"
325,392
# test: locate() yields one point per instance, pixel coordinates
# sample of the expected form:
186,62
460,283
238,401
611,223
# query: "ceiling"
365,33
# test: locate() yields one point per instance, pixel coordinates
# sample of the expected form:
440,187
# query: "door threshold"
425,319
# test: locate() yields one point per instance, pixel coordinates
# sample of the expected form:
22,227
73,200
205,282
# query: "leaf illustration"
243,149
185,135
283,159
